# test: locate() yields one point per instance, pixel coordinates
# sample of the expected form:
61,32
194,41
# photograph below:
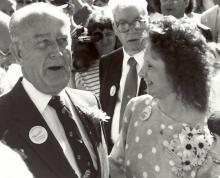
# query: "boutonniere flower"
94,113
190,147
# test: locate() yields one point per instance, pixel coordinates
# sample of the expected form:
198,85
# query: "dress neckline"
179,112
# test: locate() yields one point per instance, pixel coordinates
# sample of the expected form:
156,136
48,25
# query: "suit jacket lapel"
91,130
26,117
142,88
116,69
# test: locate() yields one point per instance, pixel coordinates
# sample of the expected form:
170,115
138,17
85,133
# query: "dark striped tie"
130,89
74,137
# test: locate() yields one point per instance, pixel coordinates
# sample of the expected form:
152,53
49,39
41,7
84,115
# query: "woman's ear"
16,51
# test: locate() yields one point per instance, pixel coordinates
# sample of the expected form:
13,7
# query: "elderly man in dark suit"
57,130
119,78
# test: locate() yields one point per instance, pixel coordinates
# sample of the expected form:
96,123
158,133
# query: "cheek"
67,56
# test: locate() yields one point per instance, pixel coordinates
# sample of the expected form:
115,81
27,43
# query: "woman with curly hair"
163,133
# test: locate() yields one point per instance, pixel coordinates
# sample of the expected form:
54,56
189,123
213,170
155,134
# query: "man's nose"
56,51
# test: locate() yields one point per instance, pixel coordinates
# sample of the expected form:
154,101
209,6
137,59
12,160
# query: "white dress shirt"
139,57
41,101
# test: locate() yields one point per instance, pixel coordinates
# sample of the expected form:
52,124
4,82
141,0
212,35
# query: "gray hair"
25,17
115,5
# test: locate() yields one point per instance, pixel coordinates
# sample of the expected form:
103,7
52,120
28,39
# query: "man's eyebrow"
39,36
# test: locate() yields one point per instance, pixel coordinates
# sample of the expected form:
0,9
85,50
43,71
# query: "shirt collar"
139,57
40,99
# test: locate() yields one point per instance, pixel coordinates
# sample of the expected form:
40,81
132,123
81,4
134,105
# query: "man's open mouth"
131,40
54,68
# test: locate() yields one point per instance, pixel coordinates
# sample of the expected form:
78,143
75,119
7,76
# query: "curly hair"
100,19
185,53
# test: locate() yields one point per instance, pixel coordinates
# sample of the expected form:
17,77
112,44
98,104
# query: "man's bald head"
26,17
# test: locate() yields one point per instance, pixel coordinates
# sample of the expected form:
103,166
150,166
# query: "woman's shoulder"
138,106
140,100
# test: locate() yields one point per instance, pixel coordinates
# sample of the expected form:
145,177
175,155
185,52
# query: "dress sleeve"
116,158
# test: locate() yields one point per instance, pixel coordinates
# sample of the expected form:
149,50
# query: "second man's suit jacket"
110,76
18,115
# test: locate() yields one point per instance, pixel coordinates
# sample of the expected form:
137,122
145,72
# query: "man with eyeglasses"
118,70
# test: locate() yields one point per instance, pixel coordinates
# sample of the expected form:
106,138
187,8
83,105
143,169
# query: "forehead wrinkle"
42,35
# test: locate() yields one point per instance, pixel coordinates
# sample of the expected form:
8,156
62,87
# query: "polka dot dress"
142,146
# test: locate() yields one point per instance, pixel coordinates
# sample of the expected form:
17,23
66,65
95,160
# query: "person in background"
119,80
99,26
210,18
22,3
178,9
7,61
162,130
57,129
7,6
203,5
83,8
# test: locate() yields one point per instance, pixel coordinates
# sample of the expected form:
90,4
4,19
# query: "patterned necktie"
73,135
130,89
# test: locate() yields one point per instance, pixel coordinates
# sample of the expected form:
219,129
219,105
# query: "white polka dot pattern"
162,126
154,150
149,132
145,175
128,163
137,139
136,124
157,168
171,163
140,156
126,146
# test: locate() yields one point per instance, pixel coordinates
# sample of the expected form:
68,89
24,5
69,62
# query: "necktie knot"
132,62
56,103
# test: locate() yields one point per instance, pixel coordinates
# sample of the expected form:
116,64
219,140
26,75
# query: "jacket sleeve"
117,156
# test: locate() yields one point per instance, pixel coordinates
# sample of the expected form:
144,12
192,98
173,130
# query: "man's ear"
16,51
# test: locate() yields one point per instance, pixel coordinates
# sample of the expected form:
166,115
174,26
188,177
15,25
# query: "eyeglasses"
124,26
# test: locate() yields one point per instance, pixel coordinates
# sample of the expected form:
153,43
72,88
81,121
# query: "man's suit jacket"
110,76
18,115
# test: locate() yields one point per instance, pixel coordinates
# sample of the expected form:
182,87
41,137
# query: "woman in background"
99,40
